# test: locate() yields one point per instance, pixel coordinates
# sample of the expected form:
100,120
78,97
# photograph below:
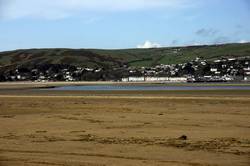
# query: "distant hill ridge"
116,58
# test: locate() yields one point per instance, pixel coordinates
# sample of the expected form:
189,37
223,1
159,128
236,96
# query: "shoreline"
83,83
118,82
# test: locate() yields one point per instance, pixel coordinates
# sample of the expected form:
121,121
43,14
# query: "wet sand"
40,127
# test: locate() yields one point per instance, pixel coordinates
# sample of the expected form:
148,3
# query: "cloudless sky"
121,23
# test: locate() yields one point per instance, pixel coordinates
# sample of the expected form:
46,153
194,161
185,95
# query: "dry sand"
124,128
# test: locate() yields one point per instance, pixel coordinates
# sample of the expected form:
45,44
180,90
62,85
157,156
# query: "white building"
213,69
133,79
154,79
125,79
177,79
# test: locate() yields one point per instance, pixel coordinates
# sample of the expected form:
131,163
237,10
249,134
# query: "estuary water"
150,87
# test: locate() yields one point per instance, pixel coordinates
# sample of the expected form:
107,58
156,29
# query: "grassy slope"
134,57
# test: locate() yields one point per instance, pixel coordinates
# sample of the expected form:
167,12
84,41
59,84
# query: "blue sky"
112,24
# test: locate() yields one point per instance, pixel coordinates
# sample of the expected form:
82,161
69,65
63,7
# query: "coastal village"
197,70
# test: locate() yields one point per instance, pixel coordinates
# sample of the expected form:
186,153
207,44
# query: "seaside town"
197,70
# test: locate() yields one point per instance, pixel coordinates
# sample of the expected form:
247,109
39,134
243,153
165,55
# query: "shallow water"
151,87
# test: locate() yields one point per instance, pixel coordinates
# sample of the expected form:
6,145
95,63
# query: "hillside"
114,58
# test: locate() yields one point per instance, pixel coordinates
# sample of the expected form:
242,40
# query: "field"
73,128
115,58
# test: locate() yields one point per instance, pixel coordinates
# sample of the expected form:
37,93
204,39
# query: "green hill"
114,58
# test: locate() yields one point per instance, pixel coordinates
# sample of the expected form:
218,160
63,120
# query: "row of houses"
154,79
200,70
197,70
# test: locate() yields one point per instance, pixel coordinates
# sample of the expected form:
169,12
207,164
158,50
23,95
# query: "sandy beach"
189,128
